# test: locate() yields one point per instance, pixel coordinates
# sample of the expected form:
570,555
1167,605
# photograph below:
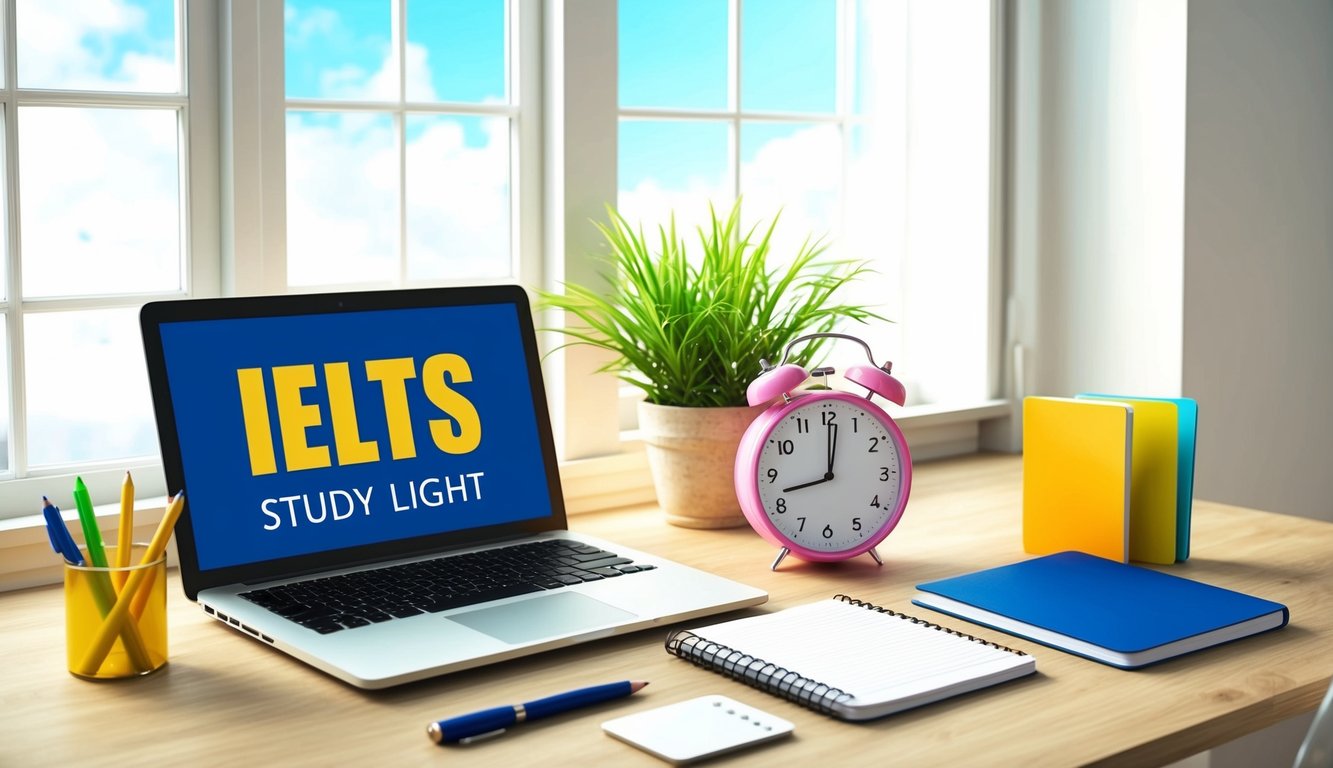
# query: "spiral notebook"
850,659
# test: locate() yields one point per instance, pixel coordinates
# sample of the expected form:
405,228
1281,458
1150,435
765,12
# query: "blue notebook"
1115,613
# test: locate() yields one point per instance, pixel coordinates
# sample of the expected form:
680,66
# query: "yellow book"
1153,478
1076,475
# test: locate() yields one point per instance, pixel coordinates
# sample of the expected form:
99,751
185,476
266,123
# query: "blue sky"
464,41
672,55
677,56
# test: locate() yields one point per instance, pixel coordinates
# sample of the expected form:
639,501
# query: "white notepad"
850,659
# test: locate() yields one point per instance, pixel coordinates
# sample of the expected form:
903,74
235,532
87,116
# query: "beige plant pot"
692,453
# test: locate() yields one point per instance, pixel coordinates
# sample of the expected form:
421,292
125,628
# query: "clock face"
829,474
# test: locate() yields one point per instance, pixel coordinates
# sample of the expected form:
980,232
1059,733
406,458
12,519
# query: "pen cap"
61,540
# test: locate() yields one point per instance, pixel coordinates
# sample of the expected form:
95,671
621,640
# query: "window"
380,143
96,177
868,123
400,135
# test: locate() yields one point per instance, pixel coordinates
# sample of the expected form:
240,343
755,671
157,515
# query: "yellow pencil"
125,542
106,634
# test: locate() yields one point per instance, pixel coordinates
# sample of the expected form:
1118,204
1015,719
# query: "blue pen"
488,722
61,541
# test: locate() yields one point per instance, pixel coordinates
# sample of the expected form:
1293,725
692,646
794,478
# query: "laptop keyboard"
362,598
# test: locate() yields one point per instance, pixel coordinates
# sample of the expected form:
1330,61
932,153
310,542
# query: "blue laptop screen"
308,433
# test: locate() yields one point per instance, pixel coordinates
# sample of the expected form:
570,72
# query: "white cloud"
458,198
343,188
100,212
313,25
342,192
100,200
76,44
797,175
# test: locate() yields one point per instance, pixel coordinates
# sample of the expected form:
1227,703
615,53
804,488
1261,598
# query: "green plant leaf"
690,329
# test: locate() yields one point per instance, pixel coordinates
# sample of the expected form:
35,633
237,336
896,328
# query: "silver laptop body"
332,434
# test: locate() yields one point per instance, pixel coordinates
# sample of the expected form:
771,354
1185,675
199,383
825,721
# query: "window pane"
789,55
879,64
456,51
673,54
87,387
116,45
673,165
795,168
458,222
342,198
340,49
100,192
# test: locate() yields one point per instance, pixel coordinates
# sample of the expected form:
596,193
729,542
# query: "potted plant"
689,330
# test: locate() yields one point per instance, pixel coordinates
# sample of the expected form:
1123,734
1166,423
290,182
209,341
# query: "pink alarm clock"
823,474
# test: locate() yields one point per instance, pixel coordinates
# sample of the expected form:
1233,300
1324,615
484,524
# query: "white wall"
1194,145
1171,224
1258,251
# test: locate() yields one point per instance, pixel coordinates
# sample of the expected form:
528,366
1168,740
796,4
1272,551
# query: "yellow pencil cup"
116,617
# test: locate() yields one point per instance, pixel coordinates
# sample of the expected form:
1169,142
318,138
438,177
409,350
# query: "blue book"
1112,612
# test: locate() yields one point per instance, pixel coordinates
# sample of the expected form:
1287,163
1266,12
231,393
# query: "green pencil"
92,535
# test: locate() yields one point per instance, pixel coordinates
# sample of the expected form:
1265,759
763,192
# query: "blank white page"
876,657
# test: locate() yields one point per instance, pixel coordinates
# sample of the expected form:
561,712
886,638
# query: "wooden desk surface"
224,699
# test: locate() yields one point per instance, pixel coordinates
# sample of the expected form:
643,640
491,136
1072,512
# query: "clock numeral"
828,531
802,425
875,501
781,506
828,417
856,523
855,424
786,447
874,445
773,475
883,473
801,526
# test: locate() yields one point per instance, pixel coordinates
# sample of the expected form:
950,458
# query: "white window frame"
565,84
933,430
21,488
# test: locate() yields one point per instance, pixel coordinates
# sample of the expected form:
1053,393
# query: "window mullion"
734,87
18,422
580,179
398,41
253,150
524,97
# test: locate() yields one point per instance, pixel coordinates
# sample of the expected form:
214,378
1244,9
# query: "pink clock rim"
746,477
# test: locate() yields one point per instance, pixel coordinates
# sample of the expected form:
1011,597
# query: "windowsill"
604,482
25,549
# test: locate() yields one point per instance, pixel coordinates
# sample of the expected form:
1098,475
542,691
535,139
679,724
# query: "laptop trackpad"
542,617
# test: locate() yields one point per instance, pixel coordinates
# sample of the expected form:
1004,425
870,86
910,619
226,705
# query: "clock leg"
781,554
875,555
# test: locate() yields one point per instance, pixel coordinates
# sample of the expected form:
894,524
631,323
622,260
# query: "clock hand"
832,447
827,477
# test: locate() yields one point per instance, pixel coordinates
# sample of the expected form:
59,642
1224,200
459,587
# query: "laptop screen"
310,425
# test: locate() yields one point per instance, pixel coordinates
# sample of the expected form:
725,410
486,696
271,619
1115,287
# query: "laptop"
371,485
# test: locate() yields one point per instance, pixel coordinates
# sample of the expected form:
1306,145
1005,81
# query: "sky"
672,55
100,213
100,187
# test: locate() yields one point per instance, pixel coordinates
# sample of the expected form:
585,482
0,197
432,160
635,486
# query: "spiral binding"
928,624
758,673
780,681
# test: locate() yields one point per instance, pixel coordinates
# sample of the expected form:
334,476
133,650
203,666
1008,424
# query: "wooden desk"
224,699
